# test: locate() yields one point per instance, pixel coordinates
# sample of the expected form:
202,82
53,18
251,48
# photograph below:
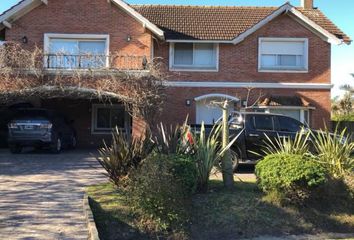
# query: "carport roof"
50,92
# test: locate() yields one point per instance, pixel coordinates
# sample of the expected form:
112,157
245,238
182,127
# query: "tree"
226,163
342,108
346,103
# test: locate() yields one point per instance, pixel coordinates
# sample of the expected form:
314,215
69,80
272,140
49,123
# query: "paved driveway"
41,194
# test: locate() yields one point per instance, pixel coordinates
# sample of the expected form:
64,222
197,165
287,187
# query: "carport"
93,113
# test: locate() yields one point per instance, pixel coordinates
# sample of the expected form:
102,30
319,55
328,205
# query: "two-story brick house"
276,59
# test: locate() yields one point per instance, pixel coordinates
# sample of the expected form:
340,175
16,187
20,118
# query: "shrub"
160,190
291,176
123,155
334,151
185,172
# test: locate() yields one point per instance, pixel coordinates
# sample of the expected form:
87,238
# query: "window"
76,51
279,54
301,115
107,117
263,122
287,124
191,56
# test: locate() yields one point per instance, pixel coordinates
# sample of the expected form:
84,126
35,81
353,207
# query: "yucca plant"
170,140
285,145
334,151
123,155
205,149
207,152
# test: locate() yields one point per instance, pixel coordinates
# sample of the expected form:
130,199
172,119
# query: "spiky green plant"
285,145
207,151
123,154
334,151
170,140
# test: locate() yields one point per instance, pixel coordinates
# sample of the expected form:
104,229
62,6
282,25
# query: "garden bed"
242,212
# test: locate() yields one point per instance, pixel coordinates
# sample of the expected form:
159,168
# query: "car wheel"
73,143
235,159
57,146
15,149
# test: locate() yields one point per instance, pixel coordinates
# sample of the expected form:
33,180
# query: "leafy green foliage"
281,145
161,188
343,117
185,172
292,176
205,152
169,140
123,155
334,151
343,107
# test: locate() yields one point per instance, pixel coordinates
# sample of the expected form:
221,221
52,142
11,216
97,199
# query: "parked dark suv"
253,129
40,128
257,127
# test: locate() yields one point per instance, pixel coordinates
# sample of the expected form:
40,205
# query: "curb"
91,225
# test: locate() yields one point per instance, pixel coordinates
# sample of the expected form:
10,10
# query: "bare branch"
132,80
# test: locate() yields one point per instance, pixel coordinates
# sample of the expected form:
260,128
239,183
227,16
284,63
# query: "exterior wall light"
129,38
25,40
188,102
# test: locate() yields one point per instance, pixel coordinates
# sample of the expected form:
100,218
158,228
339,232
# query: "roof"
213,23
220,22
294,101
24,6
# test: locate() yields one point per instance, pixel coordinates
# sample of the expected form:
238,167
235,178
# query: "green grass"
239,213
113,217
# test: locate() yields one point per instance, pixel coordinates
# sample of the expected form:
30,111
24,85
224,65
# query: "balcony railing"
97,62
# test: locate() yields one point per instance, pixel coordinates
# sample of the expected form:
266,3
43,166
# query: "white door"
208,112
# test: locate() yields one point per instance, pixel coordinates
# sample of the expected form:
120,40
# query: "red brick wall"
82,17
239,63
175,110
81,112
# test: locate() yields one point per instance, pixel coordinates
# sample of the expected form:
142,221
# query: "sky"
341,12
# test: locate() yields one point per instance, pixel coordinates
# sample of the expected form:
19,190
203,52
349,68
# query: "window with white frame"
76,51
283,54
300,114
194,56
107,117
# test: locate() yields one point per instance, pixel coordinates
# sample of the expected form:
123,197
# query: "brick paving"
41,194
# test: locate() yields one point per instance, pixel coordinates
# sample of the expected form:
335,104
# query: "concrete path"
41,194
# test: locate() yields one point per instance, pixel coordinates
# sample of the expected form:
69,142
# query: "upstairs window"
283,54
76,51
193,56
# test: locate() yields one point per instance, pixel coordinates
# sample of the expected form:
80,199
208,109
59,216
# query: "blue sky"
340,12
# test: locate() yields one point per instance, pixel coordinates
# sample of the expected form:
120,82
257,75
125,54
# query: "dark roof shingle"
218,22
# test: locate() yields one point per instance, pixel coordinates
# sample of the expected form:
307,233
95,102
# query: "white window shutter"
282,48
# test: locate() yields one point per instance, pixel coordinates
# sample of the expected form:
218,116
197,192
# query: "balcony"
96,62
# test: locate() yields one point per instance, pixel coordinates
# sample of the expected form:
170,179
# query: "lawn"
243,212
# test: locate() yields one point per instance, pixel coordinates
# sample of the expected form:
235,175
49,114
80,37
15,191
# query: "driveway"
41,194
